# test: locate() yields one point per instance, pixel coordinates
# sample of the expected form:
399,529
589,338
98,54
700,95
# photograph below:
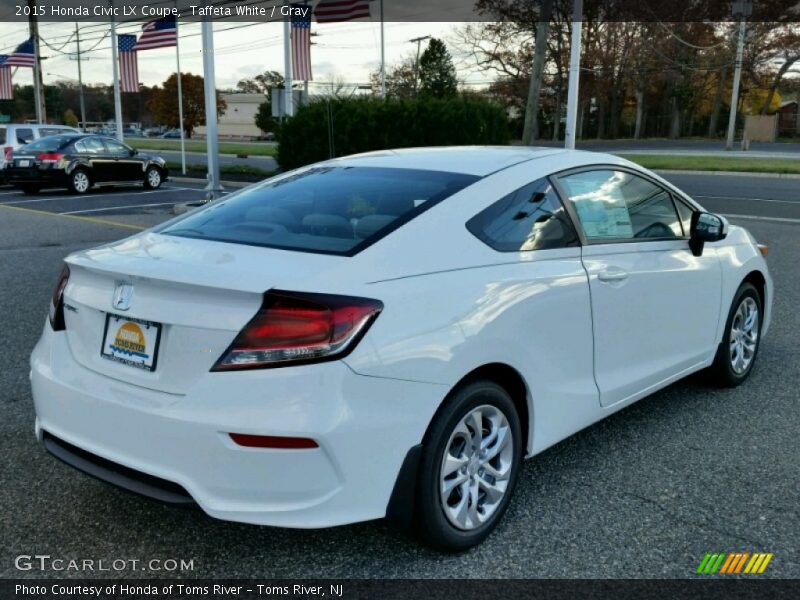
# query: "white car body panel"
452,304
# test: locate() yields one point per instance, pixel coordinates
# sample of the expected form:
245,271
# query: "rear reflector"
272,441
763,249
293,327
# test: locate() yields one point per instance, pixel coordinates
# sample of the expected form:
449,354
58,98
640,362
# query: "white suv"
14,135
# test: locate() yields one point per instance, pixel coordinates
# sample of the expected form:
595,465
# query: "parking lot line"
758,218
86,219
91,210
92,196
748,199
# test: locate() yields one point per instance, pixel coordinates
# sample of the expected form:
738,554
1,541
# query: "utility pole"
741,9
574,75
418,41
531,126
80,76
383,57
38,82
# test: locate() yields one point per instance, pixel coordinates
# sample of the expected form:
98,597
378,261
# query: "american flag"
334,11
158,34
128,67
6,88
301,45
23,56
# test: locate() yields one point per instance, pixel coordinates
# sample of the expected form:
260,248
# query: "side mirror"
134,152
706,227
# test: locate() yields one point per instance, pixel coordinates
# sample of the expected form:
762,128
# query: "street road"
645,493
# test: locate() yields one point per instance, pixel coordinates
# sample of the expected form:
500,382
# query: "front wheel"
79,182
152,178
737,352
469,467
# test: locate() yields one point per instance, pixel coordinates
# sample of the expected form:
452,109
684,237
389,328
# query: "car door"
95,154
655,305
127,167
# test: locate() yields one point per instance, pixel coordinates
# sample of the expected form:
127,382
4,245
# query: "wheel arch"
402,502
757,280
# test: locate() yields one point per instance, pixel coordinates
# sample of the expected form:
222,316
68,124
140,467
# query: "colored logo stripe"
734,562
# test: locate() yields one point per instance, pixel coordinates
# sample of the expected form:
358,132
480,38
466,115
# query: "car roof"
468,160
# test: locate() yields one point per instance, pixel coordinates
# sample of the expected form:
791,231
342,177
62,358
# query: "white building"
239,119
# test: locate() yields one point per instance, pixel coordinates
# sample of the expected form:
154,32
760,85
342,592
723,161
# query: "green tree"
164,102
70,118
437,74
262,83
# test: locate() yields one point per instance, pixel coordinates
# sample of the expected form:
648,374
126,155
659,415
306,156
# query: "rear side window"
531,218
2,135
90,146
330,210
24,136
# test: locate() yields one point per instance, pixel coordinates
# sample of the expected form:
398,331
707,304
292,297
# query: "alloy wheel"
744,335
154,178
80,181
476,467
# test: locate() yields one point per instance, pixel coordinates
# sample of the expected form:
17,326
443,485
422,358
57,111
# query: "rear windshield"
46,144
331,210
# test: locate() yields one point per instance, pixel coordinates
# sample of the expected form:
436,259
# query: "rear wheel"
30,189
152,178
737,352
469,467
79,182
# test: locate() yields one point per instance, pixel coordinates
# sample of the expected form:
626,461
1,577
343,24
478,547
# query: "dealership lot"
645,493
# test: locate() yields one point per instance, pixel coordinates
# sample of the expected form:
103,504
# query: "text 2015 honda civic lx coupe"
389,334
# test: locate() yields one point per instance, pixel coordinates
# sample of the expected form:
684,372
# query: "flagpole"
288,108
180,96
115,71
33,28
383,58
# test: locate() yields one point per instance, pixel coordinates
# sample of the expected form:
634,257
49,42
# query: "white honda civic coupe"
389,334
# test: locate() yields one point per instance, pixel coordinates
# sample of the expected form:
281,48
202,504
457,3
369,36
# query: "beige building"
239,119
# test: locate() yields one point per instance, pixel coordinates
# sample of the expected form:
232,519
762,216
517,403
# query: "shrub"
364,124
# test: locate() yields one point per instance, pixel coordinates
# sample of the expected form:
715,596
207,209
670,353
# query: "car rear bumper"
44,177
364,427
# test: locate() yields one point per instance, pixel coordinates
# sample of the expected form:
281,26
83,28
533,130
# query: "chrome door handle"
612,275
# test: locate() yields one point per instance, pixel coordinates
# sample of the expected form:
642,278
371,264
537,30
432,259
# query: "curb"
729,173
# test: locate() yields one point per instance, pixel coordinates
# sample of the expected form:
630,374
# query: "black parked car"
80,161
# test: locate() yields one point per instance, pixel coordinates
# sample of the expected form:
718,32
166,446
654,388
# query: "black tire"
80,181
149,178
722,372
30,189
433,526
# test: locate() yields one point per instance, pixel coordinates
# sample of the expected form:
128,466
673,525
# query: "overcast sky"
347,50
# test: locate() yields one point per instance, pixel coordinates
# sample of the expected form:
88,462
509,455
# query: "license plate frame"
127,350
23,162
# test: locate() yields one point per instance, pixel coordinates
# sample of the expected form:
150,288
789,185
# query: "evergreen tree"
437,75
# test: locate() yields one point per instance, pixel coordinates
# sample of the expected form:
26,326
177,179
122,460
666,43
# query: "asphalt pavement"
645,493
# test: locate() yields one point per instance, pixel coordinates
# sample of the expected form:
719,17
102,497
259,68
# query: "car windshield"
46,144
330,210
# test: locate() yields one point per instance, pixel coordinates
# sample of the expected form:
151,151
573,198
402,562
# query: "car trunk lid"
200,293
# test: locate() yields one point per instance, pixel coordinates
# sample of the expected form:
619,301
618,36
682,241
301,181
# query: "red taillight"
57,302
292,327
50,156
8,152
272,441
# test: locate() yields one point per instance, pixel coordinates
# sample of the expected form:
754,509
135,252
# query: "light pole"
214,188
80,75
741,9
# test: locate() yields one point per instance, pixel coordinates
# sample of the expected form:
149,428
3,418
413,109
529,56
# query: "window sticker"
600,204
